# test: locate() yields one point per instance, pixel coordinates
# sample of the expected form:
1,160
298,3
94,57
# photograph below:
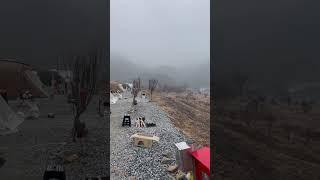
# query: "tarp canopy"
9,120
17,78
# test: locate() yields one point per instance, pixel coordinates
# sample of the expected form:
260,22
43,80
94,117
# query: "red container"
201,159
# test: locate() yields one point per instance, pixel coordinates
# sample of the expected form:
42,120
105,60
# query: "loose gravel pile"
128,160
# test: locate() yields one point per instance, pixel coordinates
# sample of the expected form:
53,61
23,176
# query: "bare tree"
308,135
270,119
83,87
246,117
240,80
135,90
152,86
306,106
290,129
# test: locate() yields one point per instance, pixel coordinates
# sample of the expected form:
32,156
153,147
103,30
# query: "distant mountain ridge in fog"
197,75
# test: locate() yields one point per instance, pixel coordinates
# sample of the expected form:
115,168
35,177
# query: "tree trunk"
134,99
290,137
269,130
76,124
99,107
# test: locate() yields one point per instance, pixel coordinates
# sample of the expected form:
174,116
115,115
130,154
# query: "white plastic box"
183,156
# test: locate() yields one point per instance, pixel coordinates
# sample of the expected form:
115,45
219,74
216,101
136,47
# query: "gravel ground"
44,141
128,160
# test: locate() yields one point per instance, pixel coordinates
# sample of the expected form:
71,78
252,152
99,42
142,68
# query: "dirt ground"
189,113
249,152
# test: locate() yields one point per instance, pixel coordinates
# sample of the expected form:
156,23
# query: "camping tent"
17,77
47,75
113,98
9,120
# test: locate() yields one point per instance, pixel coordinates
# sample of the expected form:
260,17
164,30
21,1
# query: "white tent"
9,120
113,99
121,87
130,85
34,78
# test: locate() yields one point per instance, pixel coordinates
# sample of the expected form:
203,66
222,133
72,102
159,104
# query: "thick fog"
167,38
273,43
37,31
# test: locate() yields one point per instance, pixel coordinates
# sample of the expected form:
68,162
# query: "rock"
166,160
172,168
189,175
71,158
51,115
167,154
132,178
171,177
180,175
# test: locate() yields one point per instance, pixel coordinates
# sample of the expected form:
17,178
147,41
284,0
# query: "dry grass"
250,153
190,114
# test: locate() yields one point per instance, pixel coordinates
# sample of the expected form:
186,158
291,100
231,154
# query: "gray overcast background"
171,34
37,31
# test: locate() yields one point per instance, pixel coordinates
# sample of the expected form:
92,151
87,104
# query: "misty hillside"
275,46
123,69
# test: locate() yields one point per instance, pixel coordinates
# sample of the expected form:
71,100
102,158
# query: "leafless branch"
152,86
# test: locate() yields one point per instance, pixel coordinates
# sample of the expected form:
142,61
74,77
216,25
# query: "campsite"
41,134
49,126
139,150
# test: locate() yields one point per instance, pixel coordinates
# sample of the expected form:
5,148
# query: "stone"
180,175
166,160
51,115
173,168
71,158
167,154
171,177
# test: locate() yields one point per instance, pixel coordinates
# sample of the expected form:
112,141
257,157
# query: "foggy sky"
37,31
161,32
274,42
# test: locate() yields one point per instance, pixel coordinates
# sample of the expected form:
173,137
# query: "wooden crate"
144,140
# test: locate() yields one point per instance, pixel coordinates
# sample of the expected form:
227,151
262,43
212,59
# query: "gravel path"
128,160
